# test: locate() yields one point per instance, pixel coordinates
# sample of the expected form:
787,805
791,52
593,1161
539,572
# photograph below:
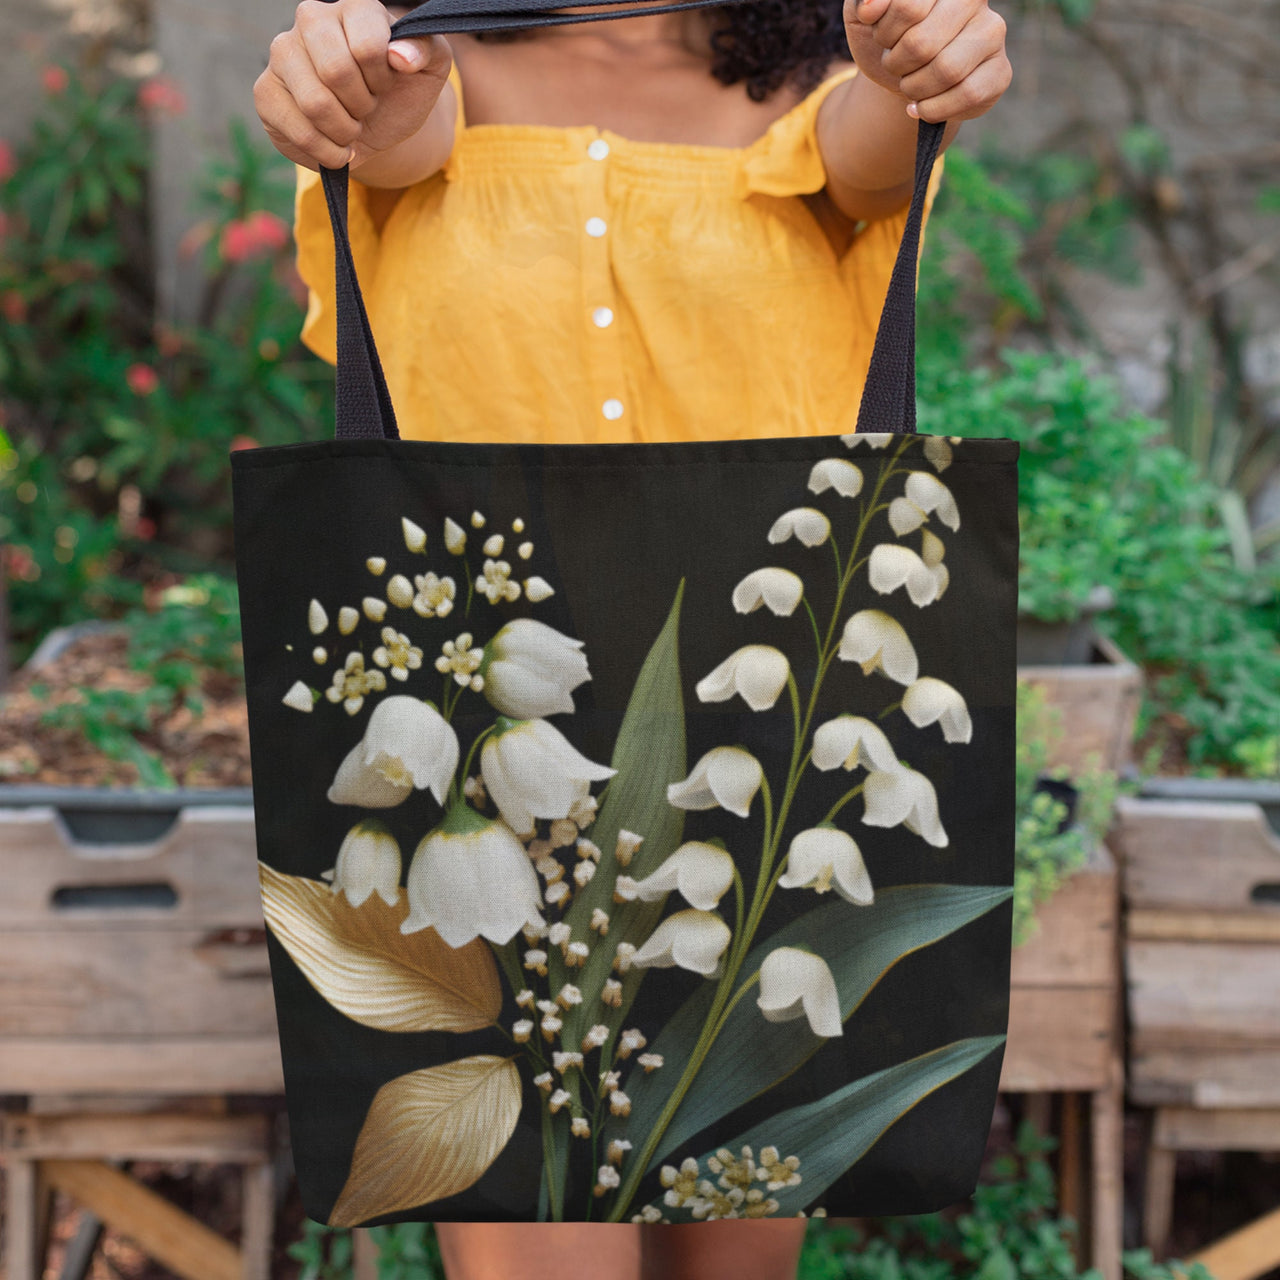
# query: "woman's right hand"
337,89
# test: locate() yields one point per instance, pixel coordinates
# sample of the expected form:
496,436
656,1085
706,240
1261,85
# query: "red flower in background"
162,95
259,234
8,164
142,379
243,442
13,306
54,79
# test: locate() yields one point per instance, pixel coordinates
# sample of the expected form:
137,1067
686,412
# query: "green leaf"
649,754
750,1055
832,1134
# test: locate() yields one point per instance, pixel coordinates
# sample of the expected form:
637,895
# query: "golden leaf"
428,1135
357,958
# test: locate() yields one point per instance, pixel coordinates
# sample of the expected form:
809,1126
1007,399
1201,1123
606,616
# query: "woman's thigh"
767,1249
540,1250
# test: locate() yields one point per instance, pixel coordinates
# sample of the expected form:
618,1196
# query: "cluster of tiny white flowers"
396,652
496,583
457,656
733,1194
433,596
353,682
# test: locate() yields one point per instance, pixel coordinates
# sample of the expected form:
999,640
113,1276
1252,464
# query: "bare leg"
768,1249
540,1250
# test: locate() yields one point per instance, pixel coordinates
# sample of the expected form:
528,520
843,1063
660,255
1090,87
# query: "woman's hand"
336,88
944,57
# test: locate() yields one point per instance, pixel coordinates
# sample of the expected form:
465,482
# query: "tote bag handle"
363,408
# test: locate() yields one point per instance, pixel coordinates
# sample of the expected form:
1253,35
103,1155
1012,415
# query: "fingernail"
913,110
407,50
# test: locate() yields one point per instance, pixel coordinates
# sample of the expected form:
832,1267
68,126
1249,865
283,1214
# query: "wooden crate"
1065,981
1202,954
134,967
1099,704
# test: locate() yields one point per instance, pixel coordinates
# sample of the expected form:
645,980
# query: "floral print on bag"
546,884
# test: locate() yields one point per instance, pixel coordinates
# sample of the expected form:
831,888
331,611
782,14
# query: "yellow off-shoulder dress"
567,284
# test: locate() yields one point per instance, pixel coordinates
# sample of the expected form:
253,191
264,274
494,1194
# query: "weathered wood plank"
1202,1076
1059,1039
231,1139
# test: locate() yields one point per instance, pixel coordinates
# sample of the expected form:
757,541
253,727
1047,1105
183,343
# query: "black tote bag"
635,821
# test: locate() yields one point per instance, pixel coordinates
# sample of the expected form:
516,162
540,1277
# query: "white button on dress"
598,149
596,227
612,409
602,317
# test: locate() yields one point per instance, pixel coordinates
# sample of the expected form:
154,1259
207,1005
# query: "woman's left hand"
946,58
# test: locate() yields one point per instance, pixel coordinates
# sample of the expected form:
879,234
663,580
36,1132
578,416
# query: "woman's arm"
917,60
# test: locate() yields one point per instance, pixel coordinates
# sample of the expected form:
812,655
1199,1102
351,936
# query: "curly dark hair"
766,43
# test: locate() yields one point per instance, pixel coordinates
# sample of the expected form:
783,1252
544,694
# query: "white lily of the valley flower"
938,451
471,878
531,770
702,873
851,741
725,776
778,589
929,699
533,669
925,575
757,671
906,796
923,494
874,639
806,523
873,439
693,939
368,862
838,474
407,743
799,984
825,856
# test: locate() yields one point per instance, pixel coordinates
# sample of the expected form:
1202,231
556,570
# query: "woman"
664,226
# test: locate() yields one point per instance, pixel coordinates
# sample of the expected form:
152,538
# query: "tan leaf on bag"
357,958
428,1135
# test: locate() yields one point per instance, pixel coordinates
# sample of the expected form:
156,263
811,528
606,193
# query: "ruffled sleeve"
314,240
785,160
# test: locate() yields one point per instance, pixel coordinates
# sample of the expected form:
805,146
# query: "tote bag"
635,821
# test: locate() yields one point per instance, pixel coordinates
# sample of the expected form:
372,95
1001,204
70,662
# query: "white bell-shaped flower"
725,776
873,439
822,857
925,576
851,741
906,796
806,523
702,872
757,671
923,494
693,939
471,878
407,743
937,451
929,699
779,590
532,669
874,639
838,474
799,984
368,862
531,770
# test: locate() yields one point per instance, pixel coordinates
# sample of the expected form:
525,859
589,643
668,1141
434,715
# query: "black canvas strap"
364,409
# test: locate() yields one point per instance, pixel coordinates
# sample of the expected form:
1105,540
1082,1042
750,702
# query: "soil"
209,750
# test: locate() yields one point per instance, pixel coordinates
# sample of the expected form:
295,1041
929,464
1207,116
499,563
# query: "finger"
957,60
368,32
920,45
973,97
867,11
900,17
332,63
315,99
292,134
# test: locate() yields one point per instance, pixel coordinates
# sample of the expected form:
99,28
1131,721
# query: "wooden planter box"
1064,1002
132,945
1201,883
1099,703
